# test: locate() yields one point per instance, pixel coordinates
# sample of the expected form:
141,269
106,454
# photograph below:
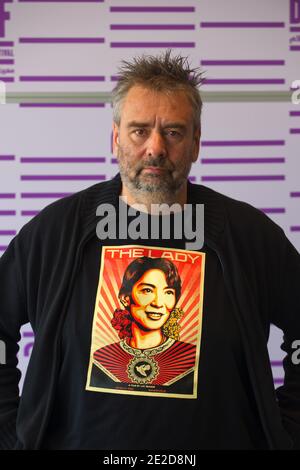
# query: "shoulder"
52,237
58,212
235,215
68,216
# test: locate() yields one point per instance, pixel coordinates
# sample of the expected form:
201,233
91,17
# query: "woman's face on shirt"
153,300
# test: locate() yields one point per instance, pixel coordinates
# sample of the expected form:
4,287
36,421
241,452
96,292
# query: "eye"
140,132
170,292
146,290
172,133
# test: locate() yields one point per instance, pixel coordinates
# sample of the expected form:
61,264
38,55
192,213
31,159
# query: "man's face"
152,299
155,143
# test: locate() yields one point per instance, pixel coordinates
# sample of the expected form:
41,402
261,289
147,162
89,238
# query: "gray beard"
155,190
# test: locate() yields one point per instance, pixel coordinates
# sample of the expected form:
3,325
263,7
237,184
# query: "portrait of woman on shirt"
149,350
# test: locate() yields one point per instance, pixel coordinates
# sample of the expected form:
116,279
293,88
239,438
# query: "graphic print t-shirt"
165,287
192,391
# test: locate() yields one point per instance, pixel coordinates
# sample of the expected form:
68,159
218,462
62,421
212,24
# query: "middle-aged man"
178,349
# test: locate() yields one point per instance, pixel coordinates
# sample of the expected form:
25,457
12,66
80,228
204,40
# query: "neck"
144,340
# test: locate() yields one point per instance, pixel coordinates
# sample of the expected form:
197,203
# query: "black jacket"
261,272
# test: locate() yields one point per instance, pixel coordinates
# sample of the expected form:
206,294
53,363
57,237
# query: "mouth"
154,169
154,316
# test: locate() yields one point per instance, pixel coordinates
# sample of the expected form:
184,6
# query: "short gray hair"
160,73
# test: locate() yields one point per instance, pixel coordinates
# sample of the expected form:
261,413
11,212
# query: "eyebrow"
176,125
152,285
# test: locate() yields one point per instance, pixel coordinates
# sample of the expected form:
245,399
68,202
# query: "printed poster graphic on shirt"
147,324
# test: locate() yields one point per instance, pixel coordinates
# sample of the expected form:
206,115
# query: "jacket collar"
108,192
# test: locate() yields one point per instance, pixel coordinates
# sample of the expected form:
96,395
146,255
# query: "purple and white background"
58,62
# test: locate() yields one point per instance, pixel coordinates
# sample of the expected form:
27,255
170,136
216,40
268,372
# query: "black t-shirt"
222,415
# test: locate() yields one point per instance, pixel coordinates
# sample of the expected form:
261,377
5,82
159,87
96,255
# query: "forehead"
142,103
153,276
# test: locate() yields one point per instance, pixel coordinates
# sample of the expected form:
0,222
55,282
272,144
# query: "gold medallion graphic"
142,370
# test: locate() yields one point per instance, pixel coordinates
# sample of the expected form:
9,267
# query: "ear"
196,146
116,138
125,300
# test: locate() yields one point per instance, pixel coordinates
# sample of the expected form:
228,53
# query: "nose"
157,300
156,146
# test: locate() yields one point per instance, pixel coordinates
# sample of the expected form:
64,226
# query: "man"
155,169
58,275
